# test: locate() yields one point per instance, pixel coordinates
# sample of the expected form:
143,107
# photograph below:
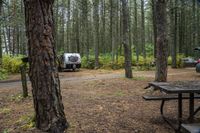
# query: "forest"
95,28
149,39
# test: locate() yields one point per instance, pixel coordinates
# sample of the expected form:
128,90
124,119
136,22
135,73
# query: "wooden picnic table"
180,88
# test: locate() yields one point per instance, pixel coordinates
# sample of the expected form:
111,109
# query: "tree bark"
103,27
154,25
43,73
194,26
143,29
136,31
127,50
113,29
175,31
1,53
68,25
23,79
4,38
96,26
62,30
162,48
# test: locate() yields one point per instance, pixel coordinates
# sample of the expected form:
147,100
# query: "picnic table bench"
191,128
175,92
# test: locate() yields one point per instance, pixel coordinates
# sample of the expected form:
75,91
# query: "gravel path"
15,83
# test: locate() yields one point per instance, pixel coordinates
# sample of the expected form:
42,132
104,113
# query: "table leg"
179,110
191,107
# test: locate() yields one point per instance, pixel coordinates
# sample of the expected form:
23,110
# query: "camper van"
69,61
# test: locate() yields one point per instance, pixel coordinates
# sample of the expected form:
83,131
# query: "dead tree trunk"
43,73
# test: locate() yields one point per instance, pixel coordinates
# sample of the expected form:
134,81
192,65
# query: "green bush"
148,61
108,64
3,74
149,47
11,64
169,60
89,64
105,62
178,60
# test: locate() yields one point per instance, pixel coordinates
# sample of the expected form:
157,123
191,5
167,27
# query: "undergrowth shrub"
178,60
90,63
105,62
3,74
108,64
11,64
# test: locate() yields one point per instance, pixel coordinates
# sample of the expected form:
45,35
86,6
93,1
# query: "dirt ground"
96,101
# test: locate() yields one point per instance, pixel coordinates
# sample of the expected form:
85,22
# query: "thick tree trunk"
161,59
127,50
43,73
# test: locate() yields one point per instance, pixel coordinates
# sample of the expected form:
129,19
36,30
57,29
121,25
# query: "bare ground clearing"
96,102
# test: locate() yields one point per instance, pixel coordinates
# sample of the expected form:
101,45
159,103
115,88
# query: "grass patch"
144,68
5,110
119,93
5,131
26,122
139,78
17,98
3,74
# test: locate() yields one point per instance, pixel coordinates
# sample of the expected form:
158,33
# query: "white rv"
69,61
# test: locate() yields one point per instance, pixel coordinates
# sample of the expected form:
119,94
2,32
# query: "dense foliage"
142,64
11,64
3,74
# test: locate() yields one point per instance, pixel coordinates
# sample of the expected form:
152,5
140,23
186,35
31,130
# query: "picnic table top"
178,86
